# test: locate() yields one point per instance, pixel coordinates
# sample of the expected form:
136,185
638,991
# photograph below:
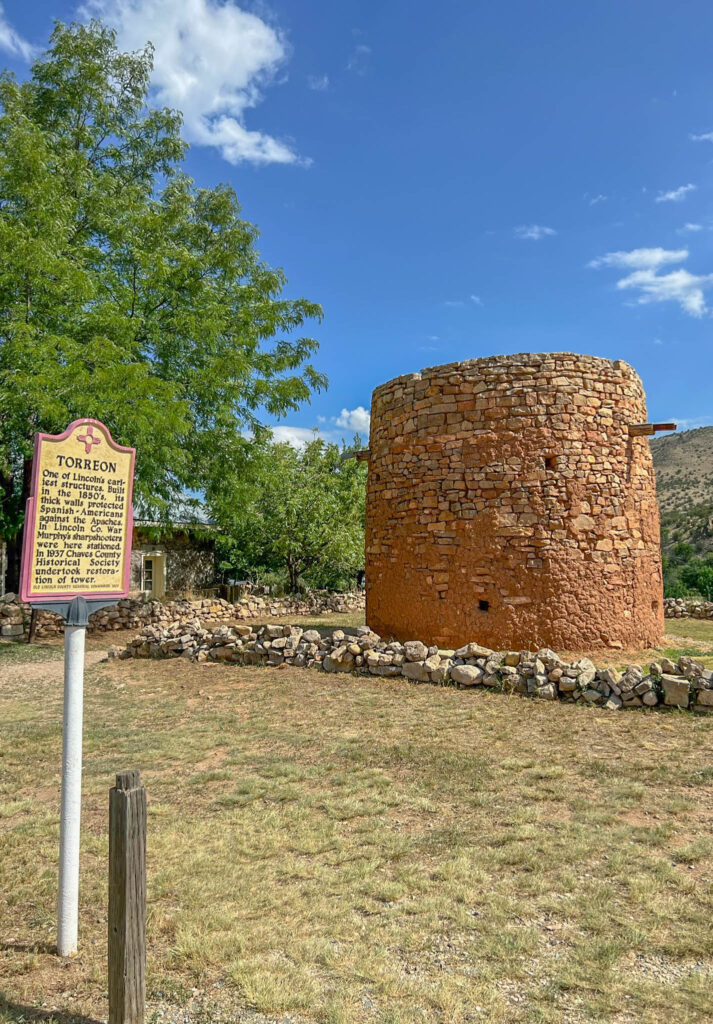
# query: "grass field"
338,849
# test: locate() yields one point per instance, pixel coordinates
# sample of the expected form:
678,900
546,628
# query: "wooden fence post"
33,626
127,899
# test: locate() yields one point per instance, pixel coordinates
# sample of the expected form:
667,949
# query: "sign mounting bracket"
75,612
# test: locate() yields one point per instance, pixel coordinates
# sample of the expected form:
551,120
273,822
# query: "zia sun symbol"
88,440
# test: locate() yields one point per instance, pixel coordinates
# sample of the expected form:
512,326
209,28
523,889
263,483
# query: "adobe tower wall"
508,501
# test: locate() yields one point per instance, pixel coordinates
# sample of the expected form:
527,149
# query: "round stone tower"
511,501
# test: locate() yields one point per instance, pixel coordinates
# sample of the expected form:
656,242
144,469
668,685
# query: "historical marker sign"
76,557
77,539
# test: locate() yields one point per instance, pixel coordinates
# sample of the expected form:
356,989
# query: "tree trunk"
33,627
13,549
13,544
294,574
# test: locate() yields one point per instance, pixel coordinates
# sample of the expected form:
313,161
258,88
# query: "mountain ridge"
684,469
683,464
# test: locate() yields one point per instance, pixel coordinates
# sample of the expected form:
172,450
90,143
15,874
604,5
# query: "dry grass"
698,630
339,849
327,621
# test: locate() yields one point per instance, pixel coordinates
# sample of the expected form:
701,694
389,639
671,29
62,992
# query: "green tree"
300,512
697,575
682,553
127,293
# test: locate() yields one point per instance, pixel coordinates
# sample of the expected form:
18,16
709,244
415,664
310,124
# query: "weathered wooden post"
127,899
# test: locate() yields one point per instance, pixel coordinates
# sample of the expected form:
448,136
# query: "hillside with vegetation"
684,480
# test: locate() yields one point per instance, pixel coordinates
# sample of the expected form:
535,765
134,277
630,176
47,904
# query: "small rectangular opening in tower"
550,462
484,605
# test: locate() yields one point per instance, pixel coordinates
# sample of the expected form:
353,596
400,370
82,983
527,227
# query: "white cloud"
640,259
675,195
298,437
597,199
359,62
658,341
12,42
354,419
475,299
689,228
703,137
535,231
684,424
319,83
211,61
680,286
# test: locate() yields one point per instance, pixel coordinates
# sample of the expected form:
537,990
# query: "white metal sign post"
69,822
75,559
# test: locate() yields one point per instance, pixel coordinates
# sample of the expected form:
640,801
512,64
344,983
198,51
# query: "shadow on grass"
28,947
30,1015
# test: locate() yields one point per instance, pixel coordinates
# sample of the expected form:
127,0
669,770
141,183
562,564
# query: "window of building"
154,573
148,574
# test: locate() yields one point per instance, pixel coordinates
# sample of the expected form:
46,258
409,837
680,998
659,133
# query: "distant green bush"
687,547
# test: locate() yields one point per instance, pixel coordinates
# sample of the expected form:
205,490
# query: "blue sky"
455,181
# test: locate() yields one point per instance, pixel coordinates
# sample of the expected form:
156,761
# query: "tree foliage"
691,577
296,512
687,545
126,292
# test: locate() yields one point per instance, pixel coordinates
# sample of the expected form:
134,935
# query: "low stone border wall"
543,674
687,608
133,613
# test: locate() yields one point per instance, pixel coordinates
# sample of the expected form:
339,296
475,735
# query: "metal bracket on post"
75,612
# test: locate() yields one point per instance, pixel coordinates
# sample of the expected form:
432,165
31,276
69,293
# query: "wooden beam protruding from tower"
647,429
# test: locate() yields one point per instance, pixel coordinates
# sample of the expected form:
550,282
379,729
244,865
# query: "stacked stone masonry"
688,608
134,613
542,674
507,500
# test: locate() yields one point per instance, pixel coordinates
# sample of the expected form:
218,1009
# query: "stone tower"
511,501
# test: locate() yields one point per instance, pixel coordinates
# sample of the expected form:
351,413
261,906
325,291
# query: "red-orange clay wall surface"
508,504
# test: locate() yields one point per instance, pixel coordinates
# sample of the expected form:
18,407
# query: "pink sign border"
28,539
